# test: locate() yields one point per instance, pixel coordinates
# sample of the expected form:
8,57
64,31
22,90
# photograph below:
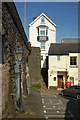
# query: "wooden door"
60,81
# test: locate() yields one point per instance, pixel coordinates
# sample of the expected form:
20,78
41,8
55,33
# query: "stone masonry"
0,60
13,38
35,65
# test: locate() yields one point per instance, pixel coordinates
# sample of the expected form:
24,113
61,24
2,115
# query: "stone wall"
35,65
36,73
8,55
0,60
13,38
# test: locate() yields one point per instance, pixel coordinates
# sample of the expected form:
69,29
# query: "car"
72,91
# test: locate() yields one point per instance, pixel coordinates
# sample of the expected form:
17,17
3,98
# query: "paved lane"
54,109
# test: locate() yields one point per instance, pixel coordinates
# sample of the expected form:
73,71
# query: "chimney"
34,18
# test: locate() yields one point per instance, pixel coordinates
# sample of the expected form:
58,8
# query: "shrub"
36,85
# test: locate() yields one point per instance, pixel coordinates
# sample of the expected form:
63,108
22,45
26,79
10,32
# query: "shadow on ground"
44,73
32,106
73,107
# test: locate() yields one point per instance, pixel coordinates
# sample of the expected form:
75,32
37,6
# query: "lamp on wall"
19,54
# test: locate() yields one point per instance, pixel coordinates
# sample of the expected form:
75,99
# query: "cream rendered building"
64,64
42,32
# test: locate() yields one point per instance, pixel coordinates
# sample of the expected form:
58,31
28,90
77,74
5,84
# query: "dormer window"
42,20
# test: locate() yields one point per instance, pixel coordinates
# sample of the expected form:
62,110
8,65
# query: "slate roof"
71,40
63,48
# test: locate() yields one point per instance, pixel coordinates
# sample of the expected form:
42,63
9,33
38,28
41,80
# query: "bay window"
42,31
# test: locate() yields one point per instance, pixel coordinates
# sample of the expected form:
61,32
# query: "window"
46,31
58,57
41,57
42,45
38,31
42,32
73,60
42,20
54,78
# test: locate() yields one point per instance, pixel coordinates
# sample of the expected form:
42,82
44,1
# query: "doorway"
60,81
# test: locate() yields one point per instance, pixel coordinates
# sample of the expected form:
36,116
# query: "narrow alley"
45,106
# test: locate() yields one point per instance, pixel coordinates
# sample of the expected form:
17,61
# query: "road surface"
56,107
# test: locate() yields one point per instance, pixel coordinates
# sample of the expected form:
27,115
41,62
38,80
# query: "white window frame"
43,29
42,32
42,45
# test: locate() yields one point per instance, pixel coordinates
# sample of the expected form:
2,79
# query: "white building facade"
42,32
64,65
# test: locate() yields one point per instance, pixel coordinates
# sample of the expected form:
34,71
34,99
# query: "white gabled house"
42,32
64,64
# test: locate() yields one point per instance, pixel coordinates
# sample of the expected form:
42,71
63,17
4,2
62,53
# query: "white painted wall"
54,66
74,71
58,65
33,33
79,67
51,75
63,65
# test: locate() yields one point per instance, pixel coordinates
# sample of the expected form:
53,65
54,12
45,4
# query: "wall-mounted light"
19,54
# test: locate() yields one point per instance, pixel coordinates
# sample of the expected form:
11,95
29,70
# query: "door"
60,81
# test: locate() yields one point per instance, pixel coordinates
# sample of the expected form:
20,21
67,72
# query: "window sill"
73,66
42,23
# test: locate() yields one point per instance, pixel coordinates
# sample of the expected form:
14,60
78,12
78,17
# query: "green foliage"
7,110
35,85
29,112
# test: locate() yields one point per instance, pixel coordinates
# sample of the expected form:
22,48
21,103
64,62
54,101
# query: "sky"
64,14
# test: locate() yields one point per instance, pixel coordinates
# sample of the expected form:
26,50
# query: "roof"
63,48
42,14
71,40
